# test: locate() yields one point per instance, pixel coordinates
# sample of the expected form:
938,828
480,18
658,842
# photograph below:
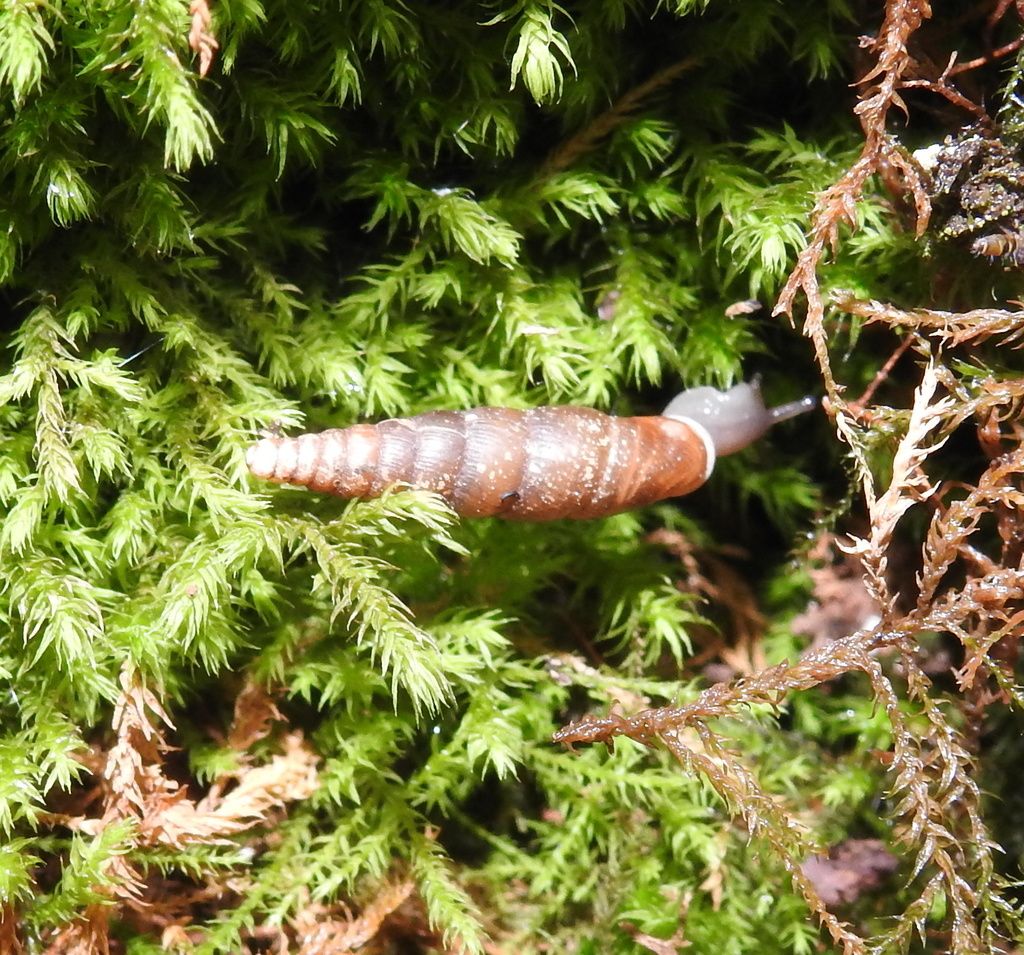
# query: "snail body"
536,465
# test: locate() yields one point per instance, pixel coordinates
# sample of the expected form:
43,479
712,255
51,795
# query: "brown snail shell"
537,465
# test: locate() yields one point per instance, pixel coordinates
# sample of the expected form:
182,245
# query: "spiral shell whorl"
537,465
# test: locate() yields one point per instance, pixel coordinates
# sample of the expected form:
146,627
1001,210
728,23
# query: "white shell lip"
709,445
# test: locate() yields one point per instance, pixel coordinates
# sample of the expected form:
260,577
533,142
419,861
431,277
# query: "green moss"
381,209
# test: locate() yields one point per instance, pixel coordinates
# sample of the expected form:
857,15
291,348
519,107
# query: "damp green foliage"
83,878
380,209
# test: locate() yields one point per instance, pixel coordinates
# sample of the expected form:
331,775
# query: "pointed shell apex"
261,458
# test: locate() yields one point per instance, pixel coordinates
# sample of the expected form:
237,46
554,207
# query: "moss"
241,715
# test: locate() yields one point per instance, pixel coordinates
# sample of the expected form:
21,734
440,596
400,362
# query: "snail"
536,465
